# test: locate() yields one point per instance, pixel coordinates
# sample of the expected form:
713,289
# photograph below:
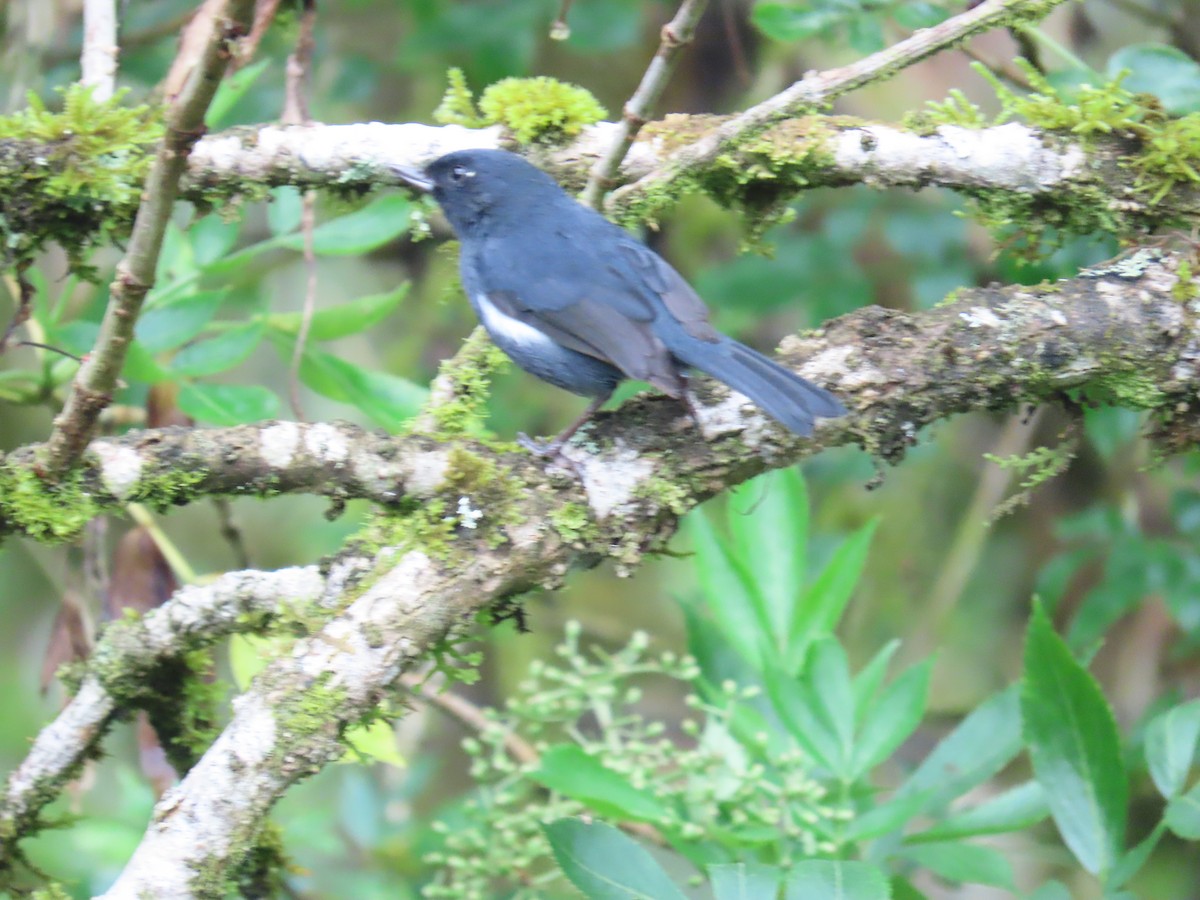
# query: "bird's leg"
690,402
554,447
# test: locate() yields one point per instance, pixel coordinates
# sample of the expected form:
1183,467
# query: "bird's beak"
414,178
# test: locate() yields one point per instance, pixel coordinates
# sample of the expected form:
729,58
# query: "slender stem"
98,60
675,34
92,389
173,555
1066,55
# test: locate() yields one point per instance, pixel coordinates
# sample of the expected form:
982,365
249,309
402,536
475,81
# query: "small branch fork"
820,89
675,34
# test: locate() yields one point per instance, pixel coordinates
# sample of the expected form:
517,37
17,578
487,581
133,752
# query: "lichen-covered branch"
817,91
195,617
989,348
1090,184
97,377
1127,331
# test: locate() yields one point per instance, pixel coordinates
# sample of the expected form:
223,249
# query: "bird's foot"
544,449
552,451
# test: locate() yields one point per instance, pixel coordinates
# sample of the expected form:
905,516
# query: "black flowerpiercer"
580,303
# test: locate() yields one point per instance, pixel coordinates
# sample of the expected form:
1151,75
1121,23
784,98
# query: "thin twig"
23,295
264,15
91,391
963,554
819,90
232,532
560,29
675,34
519,748
295,112
1008,72
98,59
469,714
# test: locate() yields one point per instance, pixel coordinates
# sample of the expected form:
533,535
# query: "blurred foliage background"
1109,545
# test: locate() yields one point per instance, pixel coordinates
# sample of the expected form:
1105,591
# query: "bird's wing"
643,271
599,329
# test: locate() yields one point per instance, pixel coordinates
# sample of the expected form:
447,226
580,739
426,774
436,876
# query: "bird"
579,302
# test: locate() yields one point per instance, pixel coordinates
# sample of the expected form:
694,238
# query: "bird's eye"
458,173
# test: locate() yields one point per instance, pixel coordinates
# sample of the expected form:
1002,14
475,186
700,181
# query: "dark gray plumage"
580,303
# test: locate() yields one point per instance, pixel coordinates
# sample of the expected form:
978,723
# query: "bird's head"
483,189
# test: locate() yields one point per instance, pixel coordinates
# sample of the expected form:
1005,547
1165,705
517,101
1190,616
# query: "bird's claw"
544,449
550,450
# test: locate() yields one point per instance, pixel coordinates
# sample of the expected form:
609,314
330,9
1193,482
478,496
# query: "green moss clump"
470,373
573,523
956,109
1184,288
74,176
310,712
50,512
542,109
458,103
1170,156
1091,110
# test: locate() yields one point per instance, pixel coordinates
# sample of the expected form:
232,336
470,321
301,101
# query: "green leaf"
867,681
1167,72
835,879
1131,863
793,704
140,365
169,325
729,591
821,609
827,685
887,819
212,237
231,90
1183,814
220,353
389,400
771,539
1014,810
866,33
1075,748
1171,746
792,22
342,321
382,220
285,210
744,881
248,655
374,742
568,769
227,404
605,864
980,746
959,862
1051,890
893,718
918,14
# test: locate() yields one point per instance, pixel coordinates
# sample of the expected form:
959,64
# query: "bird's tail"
783,395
